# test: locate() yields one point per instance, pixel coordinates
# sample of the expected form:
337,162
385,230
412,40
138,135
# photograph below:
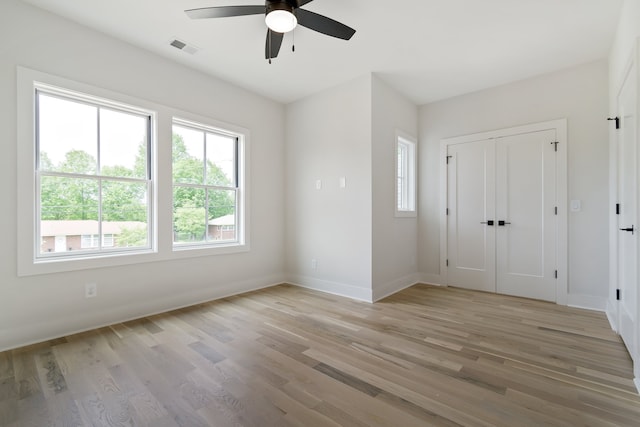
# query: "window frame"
99,103
161,220
238,187
406,184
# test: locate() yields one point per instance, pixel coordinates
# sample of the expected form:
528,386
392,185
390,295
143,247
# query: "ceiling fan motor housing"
288,5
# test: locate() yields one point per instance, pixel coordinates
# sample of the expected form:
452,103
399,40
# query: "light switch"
318,184
576,206
343,182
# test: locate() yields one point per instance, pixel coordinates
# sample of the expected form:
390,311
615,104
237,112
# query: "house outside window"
88,241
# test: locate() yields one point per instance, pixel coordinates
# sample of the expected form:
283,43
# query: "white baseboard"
612,314
391,288
334,288
588,302
56,328
636,381
432,279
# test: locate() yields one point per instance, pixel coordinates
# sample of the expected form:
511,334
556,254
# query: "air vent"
184,46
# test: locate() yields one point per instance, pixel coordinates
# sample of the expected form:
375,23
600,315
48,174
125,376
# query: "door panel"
627,193
512,182
525,201
471,244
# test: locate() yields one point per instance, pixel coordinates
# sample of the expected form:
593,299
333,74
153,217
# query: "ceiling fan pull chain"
293,46
269,47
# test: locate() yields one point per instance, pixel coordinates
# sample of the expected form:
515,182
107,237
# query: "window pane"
123,144
67,135
221,153
188,155
124,201
222,215
68,210
189,215
124,214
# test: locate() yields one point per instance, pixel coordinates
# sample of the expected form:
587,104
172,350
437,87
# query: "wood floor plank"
288,356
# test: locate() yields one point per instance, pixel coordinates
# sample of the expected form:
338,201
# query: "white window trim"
160,223
240,189
403,138
101,250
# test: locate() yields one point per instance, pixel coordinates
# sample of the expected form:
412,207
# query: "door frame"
613,306
560,126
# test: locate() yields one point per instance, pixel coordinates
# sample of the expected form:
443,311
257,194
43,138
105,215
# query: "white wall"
395,240
578,94
38,307
625,42
329,136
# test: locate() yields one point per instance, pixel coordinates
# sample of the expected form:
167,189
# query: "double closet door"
502,215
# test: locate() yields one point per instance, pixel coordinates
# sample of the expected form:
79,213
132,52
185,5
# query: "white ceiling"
426,49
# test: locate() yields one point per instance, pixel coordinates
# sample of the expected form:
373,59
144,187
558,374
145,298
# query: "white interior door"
627,220
526,215
471,207
502,228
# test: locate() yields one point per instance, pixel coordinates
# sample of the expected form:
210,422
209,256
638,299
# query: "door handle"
503,223
631,229
489,222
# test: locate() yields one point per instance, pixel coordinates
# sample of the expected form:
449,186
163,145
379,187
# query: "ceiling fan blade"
225,11
303,2
324,25
273,43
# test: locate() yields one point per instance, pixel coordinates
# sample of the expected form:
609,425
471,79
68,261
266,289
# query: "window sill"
406,214
61,265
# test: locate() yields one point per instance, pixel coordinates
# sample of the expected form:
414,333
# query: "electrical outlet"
314,264
90,290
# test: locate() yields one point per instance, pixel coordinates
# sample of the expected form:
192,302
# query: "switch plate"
318,184
90,290
576,206
343,182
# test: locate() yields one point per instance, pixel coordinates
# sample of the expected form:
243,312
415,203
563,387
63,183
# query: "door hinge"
617,119
555,145
447,263
617,208
447,212
448,157
556,274
556,210
618,295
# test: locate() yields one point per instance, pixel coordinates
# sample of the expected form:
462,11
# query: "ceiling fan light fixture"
281,20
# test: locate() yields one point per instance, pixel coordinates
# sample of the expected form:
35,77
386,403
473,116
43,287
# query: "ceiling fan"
281,16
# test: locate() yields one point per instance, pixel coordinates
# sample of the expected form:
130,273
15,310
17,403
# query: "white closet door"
525,213
471,202
627,193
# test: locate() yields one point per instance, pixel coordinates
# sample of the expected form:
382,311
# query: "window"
89,194
405,176
93,175
206,200
88,241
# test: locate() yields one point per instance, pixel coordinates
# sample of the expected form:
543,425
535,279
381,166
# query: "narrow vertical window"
206,186
405,176
93,176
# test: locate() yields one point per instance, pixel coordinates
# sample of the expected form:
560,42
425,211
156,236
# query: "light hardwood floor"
289,356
